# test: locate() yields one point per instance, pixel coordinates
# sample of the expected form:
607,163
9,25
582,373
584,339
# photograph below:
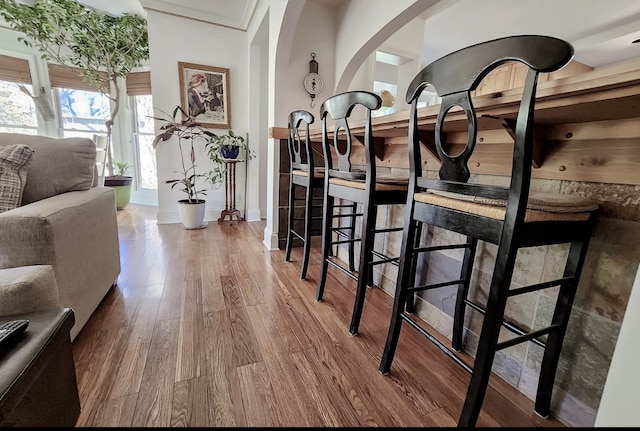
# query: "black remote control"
10,330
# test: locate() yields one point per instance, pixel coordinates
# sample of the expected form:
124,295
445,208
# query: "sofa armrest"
28,289
74,232
33,234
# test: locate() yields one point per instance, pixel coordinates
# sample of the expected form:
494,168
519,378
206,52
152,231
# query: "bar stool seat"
382,183
301,164
540,206
511,217
317,172
368,188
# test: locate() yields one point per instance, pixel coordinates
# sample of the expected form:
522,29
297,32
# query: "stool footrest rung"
434,285
449,352
345,215
297,234
388,229
508,325
531,336
339,232
384,259
346,241
343,270
539,286
439,247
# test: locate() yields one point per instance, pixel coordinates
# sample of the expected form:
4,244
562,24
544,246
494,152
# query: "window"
377,88
82,113
83,109
139,91
143,135
18,113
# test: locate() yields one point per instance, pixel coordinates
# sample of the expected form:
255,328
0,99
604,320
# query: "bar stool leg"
491,324
400,297
292,204
308,224
561,314
327,212
410,306
463,291
366,246
352,236
372,228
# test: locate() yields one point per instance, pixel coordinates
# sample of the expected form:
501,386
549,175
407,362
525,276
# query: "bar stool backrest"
339,109
454,77
300,149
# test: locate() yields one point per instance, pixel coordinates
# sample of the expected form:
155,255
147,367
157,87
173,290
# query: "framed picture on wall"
204,94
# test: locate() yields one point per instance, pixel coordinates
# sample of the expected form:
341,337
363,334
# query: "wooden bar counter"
586,129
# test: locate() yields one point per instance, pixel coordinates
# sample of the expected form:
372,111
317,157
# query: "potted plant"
221,147
188,133
71,34
121,183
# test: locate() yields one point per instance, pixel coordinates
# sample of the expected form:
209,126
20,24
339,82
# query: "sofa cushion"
26,289
58,165
14,160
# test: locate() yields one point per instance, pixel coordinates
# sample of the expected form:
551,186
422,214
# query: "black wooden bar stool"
511,217
365,187
301,164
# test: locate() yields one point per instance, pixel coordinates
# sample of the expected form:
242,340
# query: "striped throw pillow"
14,160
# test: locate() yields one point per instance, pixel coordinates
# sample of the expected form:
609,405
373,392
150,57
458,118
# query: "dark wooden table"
38,384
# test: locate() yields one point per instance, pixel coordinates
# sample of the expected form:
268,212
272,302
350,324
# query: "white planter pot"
192,213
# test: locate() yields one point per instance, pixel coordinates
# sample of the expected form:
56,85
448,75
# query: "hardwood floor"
208,328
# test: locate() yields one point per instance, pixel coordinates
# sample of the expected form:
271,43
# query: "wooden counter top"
586,128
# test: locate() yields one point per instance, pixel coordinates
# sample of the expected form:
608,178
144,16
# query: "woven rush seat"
393,179
540,206
317,172
383,182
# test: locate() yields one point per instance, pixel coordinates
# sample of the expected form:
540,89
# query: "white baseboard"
270,240
144,197
253,215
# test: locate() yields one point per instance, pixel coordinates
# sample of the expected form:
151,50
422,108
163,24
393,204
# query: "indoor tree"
71,34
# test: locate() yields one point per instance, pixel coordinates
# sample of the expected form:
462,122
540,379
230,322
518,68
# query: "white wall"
314,32
173,39
299,28
270,15
355,41
620,402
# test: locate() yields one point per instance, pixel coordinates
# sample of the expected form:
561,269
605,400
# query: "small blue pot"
230,151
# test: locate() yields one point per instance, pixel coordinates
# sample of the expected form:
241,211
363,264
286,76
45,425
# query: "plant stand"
230,209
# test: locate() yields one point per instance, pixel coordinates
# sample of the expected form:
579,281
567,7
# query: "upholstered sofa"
59,218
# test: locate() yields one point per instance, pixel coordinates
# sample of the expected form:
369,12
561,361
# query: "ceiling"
600,31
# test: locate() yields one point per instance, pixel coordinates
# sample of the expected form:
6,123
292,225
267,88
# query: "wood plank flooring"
209,328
